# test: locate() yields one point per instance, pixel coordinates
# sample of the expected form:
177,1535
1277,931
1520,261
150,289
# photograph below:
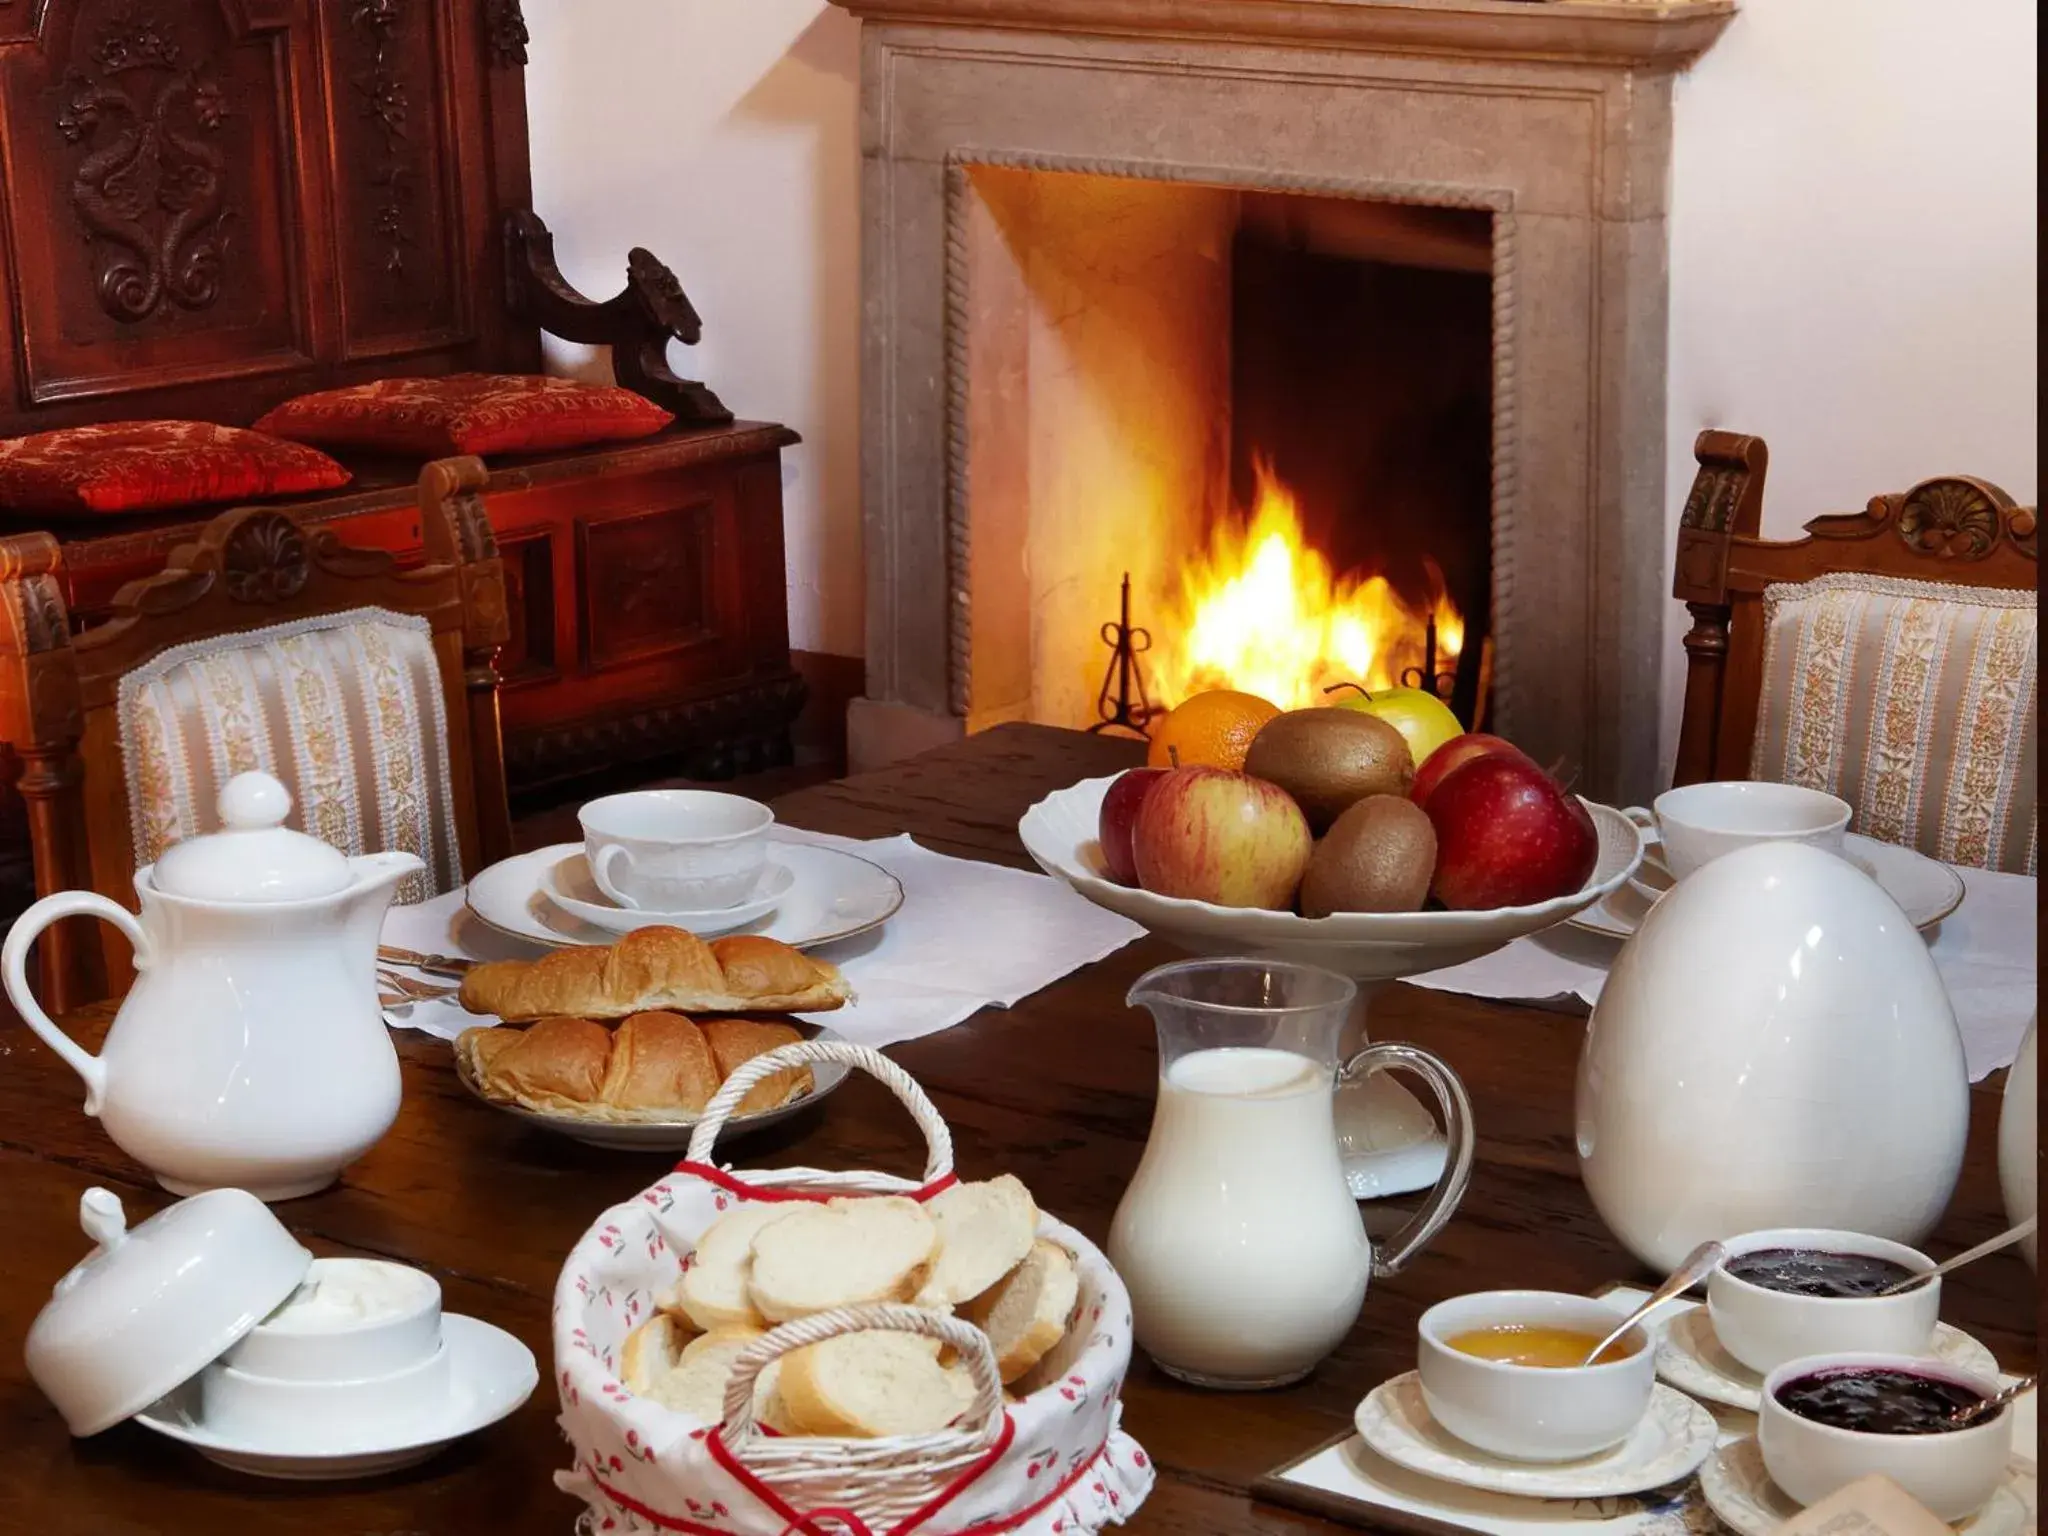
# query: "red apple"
1221,837
1119,814
1507,835
1459,749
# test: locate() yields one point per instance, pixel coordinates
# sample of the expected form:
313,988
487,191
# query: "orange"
1209,730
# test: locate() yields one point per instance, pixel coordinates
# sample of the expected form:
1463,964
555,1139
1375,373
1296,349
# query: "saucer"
832,896
1674,1437
667,1135
493,1374
569,885
1691,1358
1926,890
1743,1497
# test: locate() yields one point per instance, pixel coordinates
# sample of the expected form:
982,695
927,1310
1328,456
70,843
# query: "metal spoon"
1971,1413
1698,1264
1968,1255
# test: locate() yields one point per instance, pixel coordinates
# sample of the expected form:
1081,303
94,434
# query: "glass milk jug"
1239,1239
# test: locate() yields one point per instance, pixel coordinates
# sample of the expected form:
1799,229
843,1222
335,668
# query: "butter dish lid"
256,858
151,1307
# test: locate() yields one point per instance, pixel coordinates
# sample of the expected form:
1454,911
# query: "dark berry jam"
1813,1272
1877,1400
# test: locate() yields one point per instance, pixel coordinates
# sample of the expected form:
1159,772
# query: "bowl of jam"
1796,1291
1827,1420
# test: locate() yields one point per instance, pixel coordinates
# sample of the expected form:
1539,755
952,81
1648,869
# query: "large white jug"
1772,1048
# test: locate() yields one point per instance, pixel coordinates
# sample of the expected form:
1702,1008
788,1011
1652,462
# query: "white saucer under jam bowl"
570,886
1667,1444
1692,1359
1742,1496
210,1324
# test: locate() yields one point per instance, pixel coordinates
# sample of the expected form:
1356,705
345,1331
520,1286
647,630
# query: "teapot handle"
1457,1108
14,964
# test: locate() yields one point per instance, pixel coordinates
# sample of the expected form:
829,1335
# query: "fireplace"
1146,282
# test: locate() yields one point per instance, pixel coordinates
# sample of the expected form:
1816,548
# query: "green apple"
1423,718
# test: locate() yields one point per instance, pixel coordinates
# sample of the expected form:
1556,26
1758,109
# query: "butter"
1870,1506
340,1294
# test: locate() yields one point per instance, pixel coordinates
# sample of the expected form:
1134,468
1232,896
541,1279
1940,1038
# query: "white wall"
1853,253
1852,263
723,136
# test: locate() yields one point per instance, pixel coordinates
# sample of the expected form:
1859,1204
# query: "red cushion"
145,466
466,413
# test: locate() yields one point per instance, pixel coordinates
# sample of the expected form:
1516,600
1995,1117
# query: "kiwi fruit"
1378,856
1330,759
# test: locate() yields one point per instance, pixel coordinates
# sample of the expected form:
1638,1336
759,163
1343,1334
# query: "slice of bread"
651,1352
1025,1313
841,1254
871,1384
985,1230
695,1384
713,1290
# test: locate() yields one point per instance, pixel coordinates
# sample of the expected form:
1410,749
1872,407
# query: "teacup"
1953,1473
1763,1328
1533,1412
676,850
1697,823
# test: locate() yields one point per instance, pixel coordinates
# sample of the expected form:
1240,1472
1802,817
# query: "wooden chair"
1953,531
252,569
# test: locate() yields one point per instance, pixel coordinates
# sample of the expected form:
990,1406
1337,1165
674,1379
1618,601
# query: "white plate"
569,885
1674,1437
1060,833
1691,1358
1926,890
666,1135
834,896
492,1375
1741,1494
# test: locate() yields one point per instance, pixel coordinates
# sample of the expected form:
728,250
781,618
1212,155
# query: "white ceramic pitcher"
250,1052
1239,1238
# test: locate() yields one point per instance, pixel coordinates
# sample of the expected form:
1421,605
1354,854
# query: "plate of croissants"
624,1045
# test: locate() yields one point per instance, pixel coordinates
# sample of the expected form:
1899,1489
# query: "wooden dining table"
1057,1090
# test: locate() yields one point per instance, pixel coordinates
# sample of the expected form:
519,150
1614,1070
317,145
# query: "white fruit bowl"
1060,833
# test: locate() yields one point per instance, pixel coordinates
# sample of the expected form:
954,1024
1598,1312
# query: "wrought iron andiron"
1125,706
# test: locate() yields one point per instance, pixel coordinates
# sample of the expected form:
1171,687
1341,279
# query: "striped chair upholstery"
345,708
1915,702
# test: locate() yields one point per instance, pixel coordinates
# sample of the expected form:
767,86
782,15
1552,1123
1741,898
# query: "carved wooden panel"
647,583
528,562
150,195
392,167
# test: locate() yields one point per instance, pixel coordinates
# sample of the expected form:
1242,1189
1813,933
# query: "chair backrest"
1927,579
261,629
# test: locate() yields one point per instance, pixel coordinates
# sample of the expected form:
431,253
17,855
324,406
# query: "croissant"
656,968
652,1067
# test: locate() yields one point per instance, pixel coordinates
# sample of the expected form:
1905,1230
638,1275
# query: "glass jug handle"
1450,1188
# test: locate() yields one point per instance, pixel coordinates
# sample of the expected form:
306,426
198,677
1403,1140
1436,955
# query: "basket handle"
984,1420
937,1139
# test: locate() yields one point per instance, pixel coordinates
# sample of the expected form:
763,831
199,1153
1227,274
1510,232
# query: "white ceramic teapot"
251,1052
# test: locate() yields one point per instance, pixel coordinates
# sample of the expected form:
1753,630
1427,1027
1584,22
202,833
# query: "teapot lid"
257,858
148,1309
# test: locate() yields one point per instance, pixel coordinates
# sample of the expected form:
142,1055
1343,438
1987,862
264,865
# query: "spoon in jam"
1967,1256
1698,1264
1970,1413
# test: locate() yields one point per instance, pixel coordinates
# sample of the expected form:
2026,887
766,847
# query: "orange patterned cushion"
466,413
145,466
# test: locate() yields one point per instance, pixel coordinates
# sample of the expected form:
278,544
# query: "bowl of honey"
1507,1372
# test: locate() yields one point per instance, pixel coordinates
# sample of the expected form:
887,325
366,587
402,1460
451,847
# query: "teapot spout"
381,871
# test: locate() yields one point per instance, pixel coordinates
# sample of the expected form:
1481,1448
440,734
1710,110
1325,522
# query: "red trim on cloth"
724,1180
851,1524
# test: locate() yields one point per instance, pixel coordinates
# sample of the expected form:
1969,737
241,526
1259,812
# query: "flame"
1260,610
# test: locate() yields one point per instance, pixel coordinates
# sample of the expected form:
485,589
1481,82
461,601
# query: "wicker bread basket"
1052,1463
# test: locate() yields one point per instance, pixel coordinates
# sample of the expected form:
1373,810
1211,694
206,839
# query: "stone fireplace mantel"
1550,117
1670,33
